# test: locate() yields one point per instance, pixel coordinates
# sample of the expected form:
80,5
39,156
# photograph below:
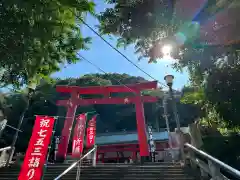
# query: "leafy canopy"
152,24
39,35
137,21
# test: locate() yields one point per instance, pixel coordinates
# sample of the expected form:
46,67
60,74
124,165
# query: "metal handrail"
6,148
226,167
76,163
14,128
3,163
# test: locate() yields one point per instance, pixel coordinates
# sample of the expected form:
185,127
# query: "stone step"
110,174
103,178
162,171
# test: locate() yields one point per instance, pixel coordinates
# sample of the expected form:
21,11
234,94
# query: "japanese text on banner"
37,149
78,137
91,132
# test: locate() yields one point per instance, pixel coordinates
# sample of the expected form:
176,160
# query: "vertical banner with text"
91,132
37,149
78,136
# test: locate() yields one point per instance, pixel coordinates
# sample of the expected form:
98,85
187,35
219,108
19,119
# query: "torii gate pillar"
141,127
67,129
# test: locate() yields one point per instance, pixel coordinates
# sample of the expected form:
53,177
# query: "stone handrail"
213,165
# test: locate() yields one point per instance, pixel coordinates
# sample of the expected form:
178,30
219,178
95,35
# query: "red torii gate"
75,101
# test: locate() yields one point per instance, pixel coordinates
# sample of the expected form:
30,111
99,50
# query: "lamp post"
165,115
31,88
169,81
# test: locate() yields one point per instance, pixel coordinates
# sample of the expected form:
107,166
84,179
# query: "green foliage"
140,22
222,90
194,97
151,24
157,93
37,36
216,92
224,148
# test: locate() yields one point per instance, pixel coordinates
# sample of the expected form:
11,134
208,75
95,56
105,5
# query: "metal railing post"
214,170
78,170
94,158
3,151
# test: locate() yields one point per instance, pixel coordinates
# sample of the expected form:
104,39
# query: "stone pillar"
196,138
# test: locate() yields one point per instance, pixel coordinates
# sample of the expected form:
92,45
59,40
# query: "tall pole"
94,157
176,117
165,114
169,81
19,126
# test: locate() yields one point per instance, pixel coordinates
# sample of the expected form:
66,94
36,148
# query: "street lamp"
30,89
169,82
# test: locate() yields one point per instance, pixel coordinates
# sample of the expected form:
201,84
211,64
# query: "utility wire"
100,69
114,48
119,52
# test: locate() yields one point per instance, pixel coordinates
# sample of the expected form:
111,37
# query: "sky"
110,61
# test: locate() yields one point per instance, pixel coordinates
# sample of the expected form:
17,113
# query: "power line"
114,48
90,62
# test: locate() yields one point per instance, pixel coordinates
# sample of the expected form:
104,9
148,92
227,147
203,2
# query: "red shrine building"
121,147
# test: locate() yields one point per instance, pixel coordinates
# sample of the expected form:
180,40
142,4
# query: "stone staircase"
53,170
149,171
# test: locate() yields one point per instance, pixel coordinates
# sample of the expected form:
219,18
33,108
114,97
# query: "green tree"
152,24
138,22
222,91
37,36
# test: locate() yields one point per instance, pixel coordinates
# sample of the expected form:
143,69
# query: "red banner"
78,136
37,149
91,132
